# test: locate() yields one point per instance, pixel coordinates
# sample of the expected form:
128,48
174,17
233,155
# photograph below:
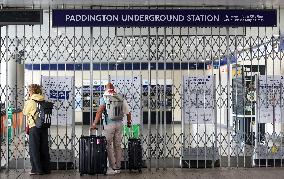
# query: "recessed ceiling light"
118,61
120,58
128,45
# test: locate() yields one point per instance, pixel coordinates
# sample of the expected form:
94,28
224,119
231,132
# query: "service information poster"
198,100
269,98
59,90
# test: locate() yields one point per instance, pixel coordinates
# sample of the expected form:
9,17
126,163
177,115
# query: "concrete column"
16,82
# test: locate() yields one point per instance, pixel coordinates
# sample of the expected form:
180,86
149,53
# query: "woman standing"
38,137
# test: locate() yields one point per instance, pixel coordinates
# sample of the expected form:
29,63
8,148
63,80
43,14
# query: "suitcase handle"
131,132
96,129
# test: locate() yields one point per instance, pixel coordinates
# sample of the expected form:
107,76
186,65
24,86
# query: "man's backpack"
114,106
44,109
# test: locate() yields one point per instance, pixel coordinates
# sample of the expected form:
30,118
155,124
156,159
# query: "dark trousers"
39,150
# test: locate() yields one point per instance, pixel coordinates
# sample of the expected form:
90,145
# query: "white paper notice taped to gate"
269,98
131,89
198,99
59,90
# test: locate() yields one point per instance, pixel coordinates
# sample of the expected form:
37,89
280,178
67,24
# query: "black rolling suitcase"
134,154
92,155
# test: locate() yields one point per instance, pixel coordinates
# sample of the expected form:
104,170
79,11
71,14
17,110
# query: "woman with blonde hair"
38,137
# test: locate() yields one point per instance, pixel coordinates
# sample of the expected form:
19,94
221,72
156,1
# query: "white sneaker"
117,171
110,171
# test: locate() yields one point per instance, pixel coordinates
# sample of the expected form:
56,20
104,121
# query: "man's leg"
108,133
117,144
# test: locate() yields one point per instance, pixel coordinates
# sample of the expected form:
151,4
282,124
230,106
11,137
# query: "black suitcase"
92,155
135,154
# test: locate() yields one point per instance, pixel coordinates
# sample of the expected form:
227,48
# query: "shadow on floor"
229,173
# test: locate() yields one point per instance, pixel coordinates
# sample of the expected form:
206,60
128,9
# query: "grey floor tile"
217,173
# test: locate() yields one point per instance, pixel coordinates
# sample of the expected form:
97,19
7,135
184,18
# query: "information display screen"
20,17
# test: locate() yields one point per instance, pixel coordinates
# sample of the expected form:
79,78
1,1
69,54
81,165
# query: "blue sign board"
54,94
164,18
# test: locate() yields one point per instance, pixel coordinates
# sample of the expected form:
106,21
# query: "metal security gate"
200,97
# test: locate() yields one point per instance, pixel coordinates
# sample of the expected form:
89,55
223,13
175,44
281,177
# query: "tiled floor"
233,173
173,146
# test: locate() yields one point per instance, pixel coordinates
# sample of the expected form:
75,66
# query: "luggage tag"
98,139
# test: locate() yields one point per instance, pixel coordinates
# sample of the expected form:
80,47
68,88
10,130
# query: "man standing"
114,107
